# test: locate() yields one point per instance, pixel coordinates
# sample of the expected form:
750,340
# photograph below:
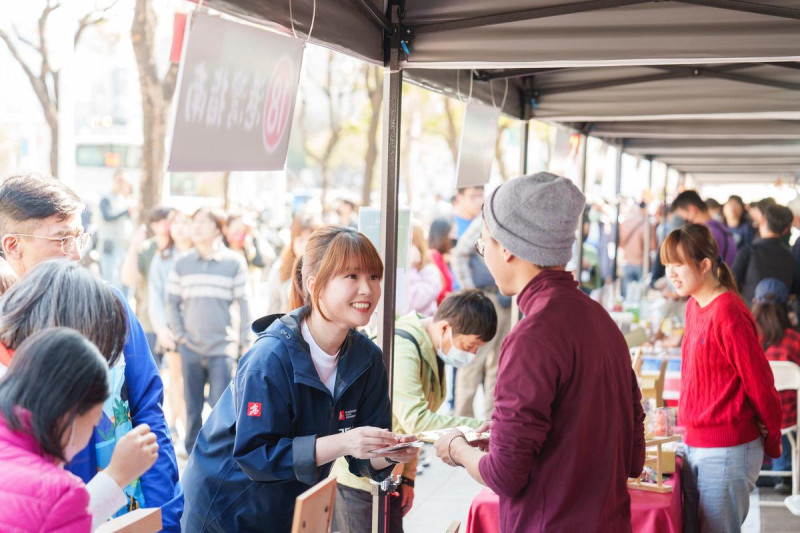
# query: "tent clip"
406,36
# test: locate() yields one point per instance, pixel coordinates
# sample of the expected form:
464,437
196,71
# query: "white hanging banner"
236,98
476,151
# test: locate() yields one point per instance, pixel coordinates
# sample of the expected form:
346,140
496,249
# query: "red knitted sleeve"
740,341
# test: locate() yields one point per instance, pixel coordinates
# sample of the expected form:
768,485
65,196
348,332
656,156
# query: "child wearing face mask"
51,398
463,322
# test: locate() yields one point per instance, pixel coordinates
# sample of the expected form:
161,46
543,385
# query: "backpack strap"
409,337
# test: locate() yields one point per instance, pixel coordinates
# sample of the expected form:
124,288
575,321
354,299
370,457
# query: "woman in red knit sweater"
728,403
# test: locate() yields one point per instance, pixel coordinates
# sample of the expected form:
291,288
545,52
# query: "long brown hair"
772,321
418,240
331,250
692,244
300,225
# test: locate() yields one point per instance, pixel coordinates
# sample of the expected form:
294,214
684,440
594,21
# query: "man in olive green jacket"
464,322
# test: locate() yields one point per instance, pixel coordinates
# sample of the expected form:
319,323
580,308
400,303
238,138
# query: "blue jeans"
725,478
111,257
630,273
784,462
197,370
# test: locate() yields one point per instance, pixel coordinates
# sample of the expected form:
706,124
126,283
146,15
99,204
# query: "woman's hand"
133,455
360,442
166,340
402,456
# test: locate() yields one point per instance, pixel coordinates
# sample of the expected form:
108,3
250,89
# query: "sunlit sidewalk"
442,494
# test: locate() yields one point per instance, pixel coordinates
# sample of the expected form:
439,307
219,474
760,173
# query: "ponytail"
297,298
725,276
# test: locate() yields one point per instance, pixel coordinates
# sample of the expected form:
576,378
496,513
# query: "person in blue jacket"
310,390
39,220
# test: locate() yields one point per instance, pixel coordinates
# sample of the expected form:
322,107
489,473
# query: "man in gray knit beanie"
564,378
535,217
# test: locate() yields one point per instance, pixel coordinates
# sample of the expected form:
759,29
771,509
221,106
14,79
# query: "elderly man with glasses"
40,220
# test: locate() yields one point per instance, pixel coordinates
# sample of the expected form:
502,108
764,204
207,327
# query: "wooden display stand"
313,510
652,385
138,521
656,459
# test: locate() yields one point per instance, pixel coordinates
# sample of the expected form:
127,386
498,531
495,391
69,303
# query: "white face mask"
71,449
455,357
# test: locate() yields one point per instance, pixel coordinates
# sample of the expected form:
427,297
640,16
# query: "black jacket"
765,258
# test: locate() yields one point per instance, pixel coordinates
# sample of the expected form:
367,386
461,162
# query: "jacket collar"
353,361
544,280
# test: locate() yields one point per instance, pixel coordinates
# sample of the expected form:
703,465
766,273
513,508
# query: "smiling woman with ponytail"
310,390
728,403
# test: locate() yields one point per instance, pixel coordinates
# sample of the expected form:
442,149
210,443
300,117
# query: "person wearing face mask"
465,321
38,437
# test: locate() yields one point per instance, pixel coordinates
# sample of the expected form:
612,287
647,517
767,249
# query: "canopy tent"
711,87
622,70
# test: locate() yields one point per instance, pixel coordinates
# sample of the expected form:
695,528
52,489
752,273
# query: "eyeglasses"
480,246
68,244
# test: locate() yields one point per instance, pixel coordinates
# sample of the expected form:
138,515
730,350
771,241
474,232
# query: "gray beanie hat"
535,217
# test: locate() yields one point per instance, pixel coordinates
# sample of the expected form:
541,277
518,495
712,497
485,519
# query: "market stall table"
651,512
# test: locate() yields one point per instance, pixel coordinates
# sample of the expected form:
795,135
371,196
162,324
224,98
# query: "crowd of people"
301,393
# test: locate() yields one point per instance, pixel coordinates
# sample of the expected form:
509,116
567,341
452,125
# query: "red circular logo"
278,103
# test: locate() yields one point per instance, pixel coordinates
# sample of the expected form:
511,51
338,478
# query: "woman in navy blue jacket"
310,390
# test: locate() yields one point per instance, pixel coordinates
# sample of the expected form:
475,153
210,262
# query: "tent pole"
584,182
617,192
666,207
647,230
523,147
390,176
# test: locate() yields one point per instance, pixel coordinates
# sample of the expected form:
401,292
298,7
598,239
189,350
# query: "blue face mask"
455,357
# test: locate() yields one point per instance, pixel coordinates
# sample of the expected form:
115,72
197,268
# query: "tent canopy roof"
660,77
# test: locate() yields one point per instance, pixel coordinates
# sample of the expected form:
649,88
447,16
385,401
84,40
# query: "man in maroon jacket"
567,429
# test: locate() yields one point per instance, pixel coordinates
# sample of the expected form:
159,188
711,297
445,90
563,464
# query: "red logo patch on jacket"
341,415
254,409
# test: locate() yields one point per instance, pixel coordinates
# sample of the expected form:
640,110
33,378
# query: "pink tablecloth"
650,512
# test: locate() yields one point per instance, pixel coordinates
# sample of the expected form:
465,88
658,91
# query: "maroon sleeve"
525,390
638,449
740,341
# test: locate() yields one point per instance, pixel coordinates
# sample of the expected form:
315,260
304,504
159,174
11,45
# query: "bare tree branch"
169,82
45,69
92,18
24,40
39,87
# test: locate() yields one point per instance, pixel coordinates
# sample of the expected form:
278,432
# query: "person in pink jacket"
51,398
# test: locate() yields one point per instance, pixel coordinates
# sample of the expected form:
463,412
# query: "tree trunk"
157,96
499,152
153,152
374,85
323,170
53,148
226,191
453,134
